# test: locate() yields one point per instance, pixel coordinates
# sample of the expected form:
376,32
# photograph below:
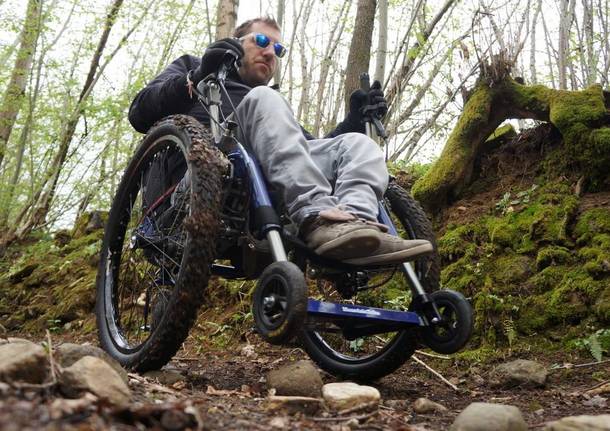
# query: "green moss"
592,222
553,255
505,131
602,305
511,269
455,163
548,278
457,242
502,232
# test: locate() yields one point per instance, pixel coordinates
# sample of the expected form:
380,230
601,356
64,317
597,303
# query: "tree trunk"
281,8
15,91
226,18
382,42
360,49
580,116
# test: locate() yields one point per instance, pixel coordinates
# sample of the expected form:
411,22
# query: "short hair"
244,28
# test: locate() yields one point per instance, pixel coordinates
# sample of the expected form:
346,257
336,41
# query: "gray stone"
521,372
165,377
15,340
580,423
96,376
298,379
489,417
347,395
23,362
67,354
424,405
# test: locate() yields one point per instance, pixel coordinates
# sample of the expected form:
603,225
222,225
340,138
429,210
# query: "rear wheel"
159,243
368,357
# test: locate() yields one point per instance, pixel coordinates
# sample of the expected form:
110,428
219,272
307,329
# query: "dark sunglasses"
263,41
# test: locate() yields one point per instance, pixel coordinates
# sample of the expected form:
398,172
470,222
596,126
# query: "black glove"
214,54
360,105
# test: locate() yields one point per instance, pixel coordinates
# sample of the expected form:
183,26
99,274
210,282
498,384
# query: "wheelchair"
193,203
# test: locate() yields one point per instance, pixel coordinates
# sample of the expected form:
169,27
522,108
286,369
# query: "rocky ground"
256,386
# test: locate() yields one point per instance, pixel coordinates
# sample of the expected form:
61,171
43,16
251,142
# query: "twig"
436,373
359,407
432,355
344,418
588,364
178,358
598,385
51,361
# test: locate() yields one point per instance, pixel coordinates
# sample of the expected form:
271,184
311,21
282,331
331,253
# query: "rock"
23,362
96,376
62,237
67,354
298,379
424,405
165,377
176,420
580,423
489,417
291,405
347,395
15,340
521,372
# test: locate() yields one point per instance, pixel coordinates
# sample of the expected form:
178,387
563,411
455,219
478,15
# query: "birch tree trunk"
15,91
382,42
360,49
226,18
565,23
281,8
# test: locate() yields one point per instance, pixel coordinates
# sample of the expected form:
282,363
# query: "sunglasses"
263,41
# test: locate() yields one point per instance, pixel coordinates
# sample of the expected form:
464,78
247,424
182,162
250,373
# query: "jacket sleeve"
165,95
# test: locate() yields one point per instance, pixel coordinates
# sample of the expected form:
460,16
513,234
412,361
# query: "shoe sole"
392,258
355,244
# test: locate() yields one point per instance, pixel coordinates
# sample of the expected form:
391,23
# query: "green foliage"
596,344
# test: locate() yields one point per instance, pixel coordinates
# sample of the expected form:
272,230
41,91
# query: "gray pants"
347,171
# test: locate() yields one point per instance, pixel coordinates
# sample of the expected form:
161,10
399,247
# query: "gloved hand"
214,54
359,105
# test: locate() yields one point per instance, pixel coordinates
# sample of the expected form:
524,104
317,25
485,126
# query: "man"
331,187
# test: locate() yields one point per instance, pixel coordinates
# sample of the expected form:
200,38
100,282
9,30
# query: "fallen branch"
436,373
51,361
432,355
344,418
363,406
588,364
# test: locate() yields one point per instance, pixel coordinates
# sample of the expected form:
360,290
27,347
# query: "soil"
224,389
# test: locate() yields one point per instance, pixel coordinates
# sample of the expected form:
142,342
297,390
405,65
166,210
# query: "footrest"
339,311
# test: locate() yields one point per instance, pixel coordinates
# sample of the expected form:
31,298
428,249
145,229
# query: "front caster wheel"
455,328
279,305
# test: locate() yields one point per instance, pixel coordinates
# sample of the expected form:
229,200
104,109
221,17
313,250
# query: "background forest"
70,69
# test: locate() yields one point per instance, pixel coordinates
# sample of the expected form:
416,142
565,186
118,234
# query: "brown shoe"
340,235
393,250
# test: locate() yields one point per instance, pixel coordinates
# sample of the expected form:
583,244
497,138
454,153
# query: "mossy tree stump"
582,118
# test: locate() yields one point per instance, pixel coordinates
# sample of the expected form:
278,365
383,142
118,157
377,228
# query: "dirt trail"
226,390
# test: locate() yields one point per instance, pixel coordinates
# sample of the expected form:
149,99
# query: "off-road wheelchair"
193,203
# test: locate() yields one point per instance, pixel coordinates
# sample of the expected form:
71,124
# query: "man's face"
259,64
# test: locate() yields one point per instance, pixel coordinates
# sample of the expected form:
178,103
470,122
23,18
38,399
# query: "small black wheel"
370,357
279,305
456,325
159,243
